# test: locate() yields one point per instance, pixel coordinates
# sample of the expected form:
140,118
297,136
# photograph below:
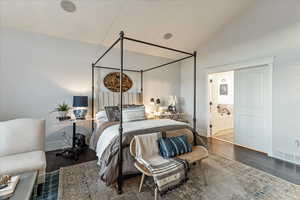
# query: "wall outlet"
297,158
297,143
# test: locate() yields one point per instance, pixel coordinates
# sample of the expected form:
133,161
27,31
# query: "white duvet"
109,133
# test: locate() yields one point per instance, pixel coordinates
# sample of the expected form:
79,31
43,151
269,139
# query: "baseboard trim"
240,146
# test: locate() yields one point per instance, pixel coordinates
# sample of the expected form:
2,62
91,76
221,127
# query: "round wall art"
112,82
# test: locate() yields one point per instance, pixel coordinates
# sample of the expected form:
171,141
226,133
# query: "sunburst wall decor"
112,82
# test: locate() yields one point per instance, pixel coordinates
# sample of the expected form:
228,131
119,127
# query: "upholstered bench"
198,154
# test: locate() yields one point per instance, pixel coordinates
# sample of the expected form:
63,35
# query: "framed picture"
223,89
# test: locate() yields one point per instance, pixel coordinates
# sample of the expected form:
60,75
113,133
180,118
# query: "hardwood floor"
225,135
282,169
55,162
279,168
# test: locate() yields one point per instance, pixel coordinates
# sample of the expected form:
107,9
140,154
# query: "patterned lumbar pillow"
112,113
134,114
173,146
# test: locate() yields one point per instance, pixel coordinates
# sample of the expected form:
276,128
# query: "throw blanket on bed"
100,128
167,173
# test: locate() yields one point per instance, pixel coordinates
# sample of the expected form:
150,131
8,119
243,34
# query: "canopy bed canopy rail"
120,40
113,68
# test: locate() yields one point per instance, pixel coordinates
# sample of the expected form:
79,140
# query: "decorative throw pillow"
112,113
173,146
101,116
134,114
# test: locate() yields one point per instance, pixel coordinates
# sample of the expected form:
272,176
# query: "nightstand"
74,151
168,115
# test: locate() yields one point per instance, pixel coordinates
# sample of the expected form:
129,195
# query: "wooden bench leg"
156,194
203,172
142,182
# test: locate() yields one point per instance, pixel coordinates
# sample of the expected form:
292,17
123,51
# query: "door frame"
266,61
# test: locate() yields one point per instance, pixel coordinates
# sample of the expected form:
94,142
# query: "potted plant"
62,110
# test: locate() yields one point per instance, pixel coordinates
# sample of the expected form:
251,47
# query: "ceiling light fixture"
68,6
168,36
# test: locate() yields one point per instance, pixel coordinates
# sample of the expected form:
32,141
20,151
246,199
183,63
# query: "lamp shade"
80,101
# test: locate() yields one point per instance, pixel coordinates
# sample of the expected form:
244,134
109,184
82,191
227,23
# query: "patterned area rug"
227,180
49,189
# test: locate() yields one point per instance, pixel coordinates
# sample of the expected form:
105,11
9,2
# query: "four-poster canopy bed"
120,40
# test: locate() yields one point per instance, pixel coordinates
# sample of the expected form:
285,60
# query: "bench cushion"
198,153
23,162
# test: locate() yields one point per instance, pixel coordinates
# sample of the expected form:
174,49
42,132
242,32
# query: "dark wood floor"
282,169
55,162
258,160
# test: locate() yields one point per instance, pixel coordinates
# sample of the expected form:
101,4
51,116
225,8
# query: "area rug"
227,180
50,188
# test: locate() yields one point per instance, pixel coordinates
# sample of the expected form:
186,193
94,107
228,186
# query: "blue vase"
80,113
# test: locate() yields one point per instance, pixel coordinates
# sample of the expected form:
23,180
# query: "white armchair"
22,147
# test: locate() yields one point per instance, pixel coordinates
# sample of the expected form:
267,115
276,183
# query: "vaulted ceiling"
192,22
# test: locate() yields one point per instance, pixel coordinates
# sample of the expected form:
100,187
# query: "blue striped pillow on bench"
173,146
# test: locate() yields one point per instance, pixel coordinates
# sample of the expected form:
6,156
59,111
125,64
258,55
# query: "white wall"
38,72
1,72
269,28
163,82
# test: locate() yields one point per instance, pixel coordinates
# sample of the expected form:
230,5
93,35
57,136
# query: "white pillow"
134,114
101,116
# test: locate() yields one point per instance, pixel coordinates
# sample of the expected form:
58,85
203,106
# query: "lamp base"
80,113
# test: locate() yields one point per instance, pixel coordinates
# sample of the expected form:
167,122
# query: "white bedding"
109,133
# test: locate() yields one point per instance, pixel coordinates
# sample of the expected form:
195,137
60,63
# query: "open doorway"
240,105
221,105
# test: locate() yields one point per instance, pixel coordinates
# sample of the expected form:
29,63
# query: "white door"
216,120
215,124
253,108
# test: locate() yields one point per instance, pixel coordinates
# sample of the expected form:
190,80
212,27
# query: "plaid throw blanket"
167,173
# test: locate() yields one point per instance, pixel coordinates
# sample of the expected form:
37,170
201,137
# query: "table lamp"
80,104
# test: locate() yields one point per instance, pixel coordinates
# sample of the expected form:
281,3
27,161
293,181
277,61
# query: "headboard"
105,98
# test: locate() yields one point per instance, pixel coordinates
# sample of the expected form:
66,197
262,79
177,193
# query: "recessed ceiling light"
68,6
168,36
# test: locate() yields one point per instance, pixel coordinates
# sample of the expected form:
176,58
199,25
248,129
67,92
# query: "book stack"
63,118
7,190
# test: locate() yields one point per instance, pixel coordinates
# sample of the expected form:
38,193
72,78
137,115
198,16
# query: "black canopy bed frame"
120,40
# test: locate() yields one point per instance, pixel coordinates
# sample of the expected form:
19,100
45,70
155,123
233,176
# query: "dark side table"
72,152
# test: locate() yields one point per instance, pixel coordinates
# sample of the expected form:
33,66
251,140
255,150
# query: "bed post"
93,93
142,87
120,161
195,98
